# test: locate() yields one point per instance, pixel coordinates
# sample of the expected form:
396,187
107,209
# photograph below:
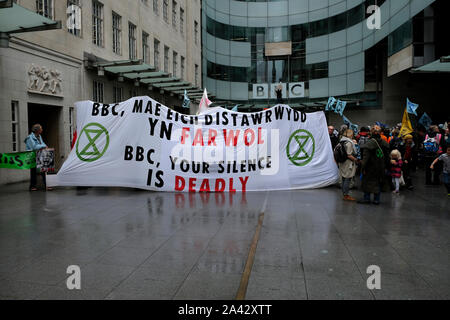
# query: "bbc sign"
290,90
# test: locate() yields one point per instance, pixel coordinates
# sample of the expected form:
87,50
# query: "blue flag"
411,107
235,108
330,104
340,107
346,121
186,101
426,121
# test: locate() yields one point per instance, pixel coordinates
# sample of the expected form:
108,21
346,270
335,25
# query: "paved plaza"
133,244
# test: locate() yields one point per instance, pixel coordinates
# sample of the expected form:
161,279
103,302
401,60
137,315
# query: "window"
166,59
98,91
156,59
174,14
182,68
196,32
15,126
74,17
118,94
117,33
196,75
181,21
132,41
156,7
174,62
145,48
71,122
97,23
166,10
45,8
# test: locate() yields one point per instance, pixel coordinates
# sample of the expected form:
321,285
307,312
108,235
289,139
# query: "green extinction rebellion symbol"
92,142
301,148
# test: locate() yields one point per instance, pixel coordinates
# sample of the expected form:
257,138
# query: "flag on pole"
406,125
204,103
235,109
331,102
425,121
340,107
186,100
411,107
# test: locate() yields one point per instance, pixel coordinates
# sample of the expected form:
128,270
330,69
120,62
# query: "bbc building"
327,48
54,53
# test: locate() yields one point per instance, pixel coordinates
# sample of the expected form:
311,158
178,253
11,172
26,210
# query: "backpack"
340,154
431,145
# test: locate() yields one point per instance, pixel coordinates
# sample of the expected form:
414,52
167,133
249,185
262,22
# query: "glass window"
400,38
174,14
166,10
182,68
196,32
277,70
132,41
166,59
117,33
278,34
45,8
181,21
174,63
97,23
74,17
156,7
156,57
15,126
118,94
145,48
98,91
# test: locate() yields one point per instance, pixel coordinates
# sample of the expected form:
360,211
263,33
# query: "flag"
186,100
355,128
204,103
406,125
411,107
331,102
235,109
340,107
346,121
425,121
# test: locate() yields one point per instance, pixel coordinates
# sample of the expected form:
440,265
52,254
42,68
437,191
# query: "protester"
363,137
34,142
347,169
432,148
445,158
396,169
333,136
373,166
407,150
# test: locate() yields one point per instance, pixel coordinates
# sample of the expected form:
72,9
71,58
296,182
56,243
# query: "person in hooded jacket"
374,162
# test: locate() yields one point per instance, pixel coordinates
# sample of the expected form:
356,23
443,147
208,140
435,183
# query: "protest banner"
142,144
18,160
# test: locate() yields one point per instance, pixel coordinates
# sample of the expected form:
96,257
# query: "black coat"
375,160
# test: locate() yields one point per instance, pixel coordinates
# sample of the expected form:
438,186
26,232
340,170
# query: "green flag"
19,160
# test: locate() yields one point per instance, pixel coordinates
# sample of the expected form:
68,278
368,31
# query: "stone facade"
44,72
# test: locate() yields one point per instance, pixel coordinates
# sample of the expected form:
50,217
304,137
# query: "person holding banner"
34,142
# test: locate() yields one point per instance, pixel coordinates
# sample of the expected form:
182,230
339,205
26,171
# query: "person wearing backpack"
432,147
347,162
373,165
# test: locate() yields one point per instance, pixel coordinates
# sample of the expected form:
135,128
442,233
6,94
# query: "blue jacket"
33,143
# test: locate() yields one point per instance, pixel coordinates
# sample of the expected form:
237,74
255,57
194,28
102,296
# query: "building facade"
42,74
323,48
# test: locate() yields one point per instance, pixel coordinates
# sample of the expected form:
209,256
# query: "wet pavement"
132,244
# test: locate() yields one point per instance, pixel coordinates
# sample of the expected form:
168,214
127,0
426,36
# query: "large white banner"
142,144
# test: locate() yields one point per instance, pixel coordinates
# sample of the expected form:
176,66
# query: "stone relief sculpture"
44,80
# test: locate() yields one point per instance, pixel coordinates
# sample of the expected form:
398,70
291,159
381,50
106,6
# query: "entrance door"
49,118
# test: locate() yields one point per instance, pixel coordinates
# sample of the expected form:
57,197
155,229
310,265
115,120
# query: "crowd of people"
380,159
